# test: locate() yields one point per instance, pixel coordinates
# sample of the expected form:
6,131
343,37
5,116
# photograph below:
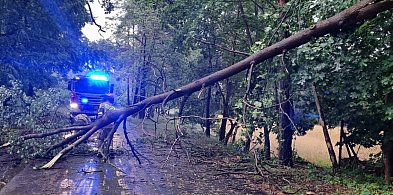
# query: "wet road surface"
88,175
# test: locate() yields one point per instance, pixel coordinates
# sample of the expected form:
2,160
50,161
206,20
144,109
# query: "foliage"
21,114
361,181
352,72
38,38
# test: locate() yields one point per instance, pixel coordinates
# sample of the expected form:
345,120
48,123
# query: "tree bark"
225,113
266,146
142,94
230,132
387,150
322,121
285,149
128,91
136,91
224,121
181,107
387,144
340,149
207,111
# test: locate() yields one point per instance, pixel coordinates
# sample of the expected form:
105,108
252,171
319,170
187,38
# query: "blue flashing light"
98,76
84,100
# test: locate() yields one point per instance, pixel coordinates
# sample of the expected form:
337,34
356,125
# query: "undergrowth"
361,181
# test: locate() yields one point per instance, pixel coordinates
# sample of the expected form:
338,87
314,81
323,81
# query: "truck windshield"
91,86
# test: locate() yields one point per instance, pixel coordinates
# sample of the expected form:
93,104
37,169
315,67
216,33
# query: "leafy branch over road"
344,20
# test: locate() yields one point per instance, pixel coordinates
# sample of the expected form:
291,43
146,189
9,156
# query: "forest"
239,70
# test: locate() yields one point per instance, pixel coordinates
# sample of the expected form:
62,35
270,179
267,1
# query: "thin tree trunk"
247,144
347,146
230,132
266,147
128,91
207,111
223,127
226,111
234,135
387,150
137,84
246,26
182,104
208,96
340,149
142,95
322,121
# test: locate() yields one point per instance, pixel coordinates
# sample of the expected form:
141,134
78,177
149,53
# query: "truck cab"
87,92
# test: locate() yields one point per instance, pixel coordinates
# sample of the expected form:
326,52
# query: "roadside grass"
355,177
361,181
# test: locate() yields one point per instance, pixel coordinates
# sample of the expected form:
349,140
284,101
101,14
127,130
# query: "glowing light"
84,100
74,105
98,76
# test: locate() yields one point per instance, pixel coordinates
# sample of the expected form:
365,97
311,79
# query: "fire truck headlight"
74,105
84,100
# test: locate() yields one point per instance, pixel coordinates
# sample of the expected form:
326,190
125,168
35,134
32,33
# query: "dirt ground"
198,165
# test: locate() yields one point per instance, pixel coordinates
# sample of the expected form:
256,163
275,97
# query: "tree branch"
92,18
224,48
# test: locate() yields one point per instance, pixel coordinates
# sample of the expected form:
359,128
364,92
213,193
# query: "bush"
21,114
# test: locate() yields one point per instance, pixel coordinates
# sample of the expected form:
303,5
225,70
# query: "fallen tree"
343,21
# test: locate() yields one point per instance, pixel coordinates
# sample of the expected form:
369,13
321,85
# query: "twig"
93,171
129,142
237,173
181,146
201,91
117,168
279,25
93,20
5,145
223,48
170,151
258,168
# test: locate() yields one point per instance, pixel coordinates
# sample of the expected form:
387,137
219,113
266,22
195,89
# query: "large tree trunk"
344,20
285,149
387,144
285,152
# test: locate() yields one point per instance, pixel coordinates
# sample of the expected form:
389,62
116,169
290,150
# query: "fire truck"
87,92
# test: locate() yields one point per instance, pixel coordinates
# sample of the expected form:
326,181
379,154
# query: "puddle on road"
86,181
